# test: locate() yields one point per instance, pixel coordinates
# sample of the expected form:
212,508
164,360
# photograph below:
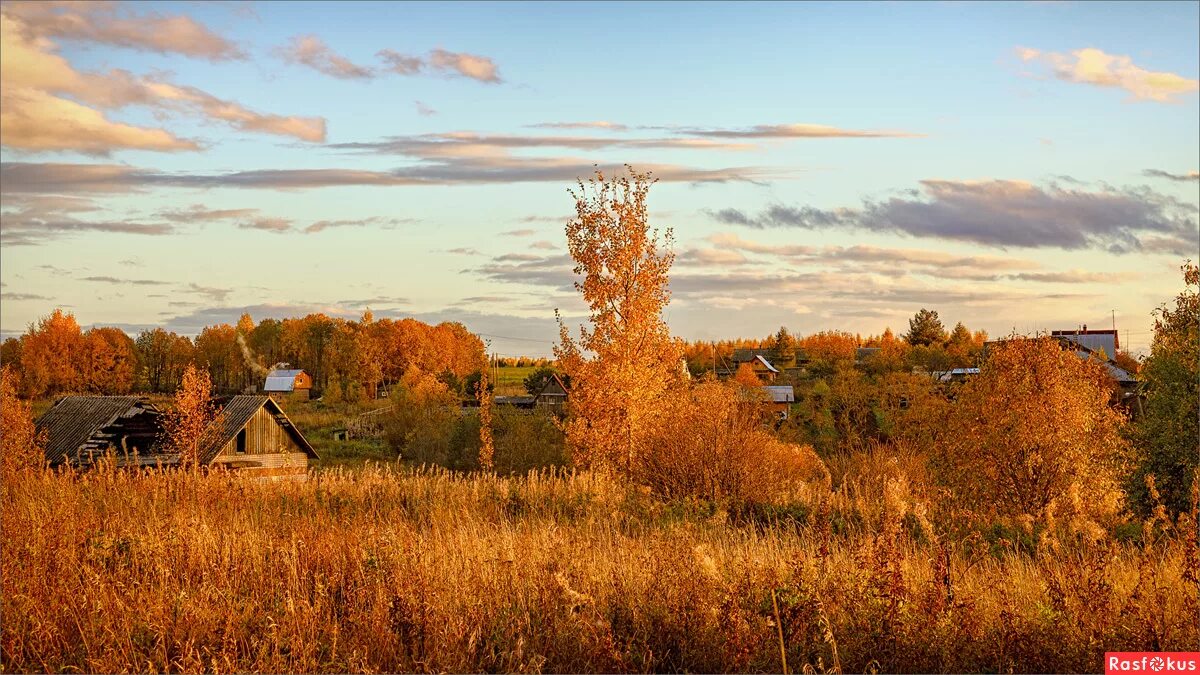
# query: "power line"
509,337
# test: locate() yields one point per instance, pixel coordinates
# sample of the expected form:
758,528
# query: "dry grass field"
386,570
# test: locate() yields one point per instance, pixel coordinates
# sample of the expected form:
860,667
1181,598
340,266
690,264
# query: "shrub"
1166,435
1033,425
526,441
421,424
714,444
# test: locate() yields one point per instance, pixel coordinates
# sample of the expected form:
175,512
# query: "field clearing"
510,381
378,570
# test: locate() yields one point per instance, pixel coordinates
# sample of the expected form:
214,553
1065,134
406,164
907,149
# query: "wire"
508,337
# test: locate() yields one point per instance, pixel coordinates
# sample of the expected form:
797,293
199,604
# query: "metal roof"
280,383
948,375
781,394
285,373
234,416
73,420
1093,340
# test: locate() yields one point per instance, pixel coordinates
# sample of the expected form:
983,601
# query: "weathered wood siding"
264,436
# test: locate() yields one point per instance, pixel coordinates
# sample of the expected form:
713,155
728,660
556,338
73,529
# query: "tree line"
1034,431
347,359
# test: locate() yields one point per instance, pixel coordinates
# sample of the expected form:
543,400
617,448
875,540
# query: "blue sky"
824,166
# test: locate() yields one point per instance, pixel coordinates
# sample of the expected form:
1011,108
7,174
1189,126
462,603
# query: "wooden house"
759,360
780,398
285,382
552,395
254,435
81,428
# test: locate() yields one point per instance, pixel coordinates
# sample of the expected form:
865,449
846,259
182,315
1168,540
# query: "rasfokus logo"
1151,662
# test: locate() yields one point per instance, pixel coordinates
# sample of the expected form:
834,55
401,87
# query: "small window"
241,442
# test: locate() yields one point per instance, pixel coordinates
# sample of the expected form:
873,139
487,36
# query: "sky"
1014,166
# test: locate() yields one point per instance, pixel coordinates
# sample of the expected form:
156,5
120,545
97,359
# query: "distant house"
781,399
251,434
80,428
1090,344
1095,340
553,393
284,382
759,360
954,374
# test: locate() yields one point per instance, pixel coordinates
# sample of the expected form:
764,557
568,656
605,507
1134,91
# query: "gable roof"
553,387
74,420
743,354
759,358
1118,373
233,417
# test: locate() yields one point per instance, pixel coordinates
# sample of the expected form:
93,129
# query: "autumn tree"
746,376
253,370
109,361
217,352
719,448
10,353
961,348
20,445
264,341
368,354
891,357
188,420
1166,436
925,328
828,350
622,367
783,345
1034,425
50,355
163,356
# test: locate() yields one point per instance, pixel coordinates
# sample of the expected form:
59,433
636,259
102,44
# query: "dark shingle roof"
74,420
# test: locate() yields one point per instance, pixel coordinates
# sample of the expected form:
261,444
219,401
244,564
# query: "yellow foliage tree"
487,447
190,417
746,377
622,367
20,445
1033,427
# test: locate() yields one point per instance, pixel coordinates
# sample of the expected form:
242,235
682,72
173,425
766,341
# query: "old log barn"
250,434
81,428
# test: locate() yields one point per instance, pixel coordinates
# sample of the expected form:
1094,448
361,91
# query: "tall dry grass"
380,570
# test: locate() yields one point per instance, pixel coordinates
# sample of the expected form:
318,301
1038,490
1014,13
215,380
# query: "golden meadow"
385,569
